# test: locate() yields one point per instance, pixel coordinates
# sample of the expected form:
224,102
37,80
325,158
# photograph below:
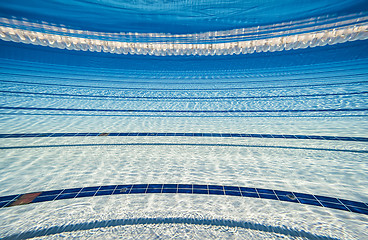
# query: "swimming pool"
207,119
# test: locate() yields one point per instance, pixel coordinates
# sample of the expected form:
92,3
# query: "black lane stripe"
155,134
183,116
129,189
247,81
181,98
186,111
183,89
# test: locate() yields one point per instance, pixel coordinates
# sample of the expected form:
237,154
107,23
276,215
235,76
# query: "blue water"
256,94
175,16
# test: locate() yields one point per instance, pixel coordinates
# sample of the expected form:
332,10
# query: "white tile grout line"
317,200
10,201
97,191
257,193
241,194
145,191
78,193
276,196
58,195
296,197
343,205
113,191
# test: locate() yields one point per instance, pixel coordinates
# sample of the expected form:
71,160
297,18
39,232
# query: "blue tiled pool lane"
152,134
187,111
285,196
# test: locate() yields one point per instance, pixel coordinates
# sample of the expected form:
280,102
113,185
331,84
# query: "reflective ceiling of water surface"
175,16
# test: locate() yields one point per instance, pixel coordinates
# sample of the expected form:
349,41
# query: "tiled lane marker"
155,134
285,196
102,97
186,111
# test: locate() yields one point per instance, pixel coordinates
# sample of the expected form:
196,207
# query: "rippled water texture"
260,94
175,16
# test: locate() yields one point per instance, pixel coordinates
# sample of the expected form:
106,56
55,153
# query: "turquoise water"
155,88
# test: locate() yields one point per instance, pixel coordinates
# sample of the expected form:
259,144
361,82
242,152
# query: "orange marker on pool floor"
24,199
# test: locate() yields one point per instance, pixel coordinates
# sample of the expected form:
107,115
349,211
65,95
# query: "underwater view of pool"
183,119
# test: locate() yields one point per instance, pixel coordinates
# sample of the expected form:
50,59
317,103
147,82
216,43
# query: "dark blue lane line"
180,98
156,134
47,76
128,189
185,111
181,89
181,144
183,116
